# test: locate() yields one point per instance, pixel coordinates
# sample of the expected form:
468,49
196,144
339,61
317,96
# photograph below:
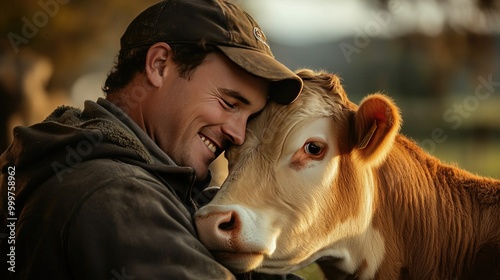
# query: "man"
108,192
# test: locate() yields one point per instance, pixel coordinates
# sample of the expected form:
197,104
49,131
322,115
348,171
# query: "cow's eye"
313,148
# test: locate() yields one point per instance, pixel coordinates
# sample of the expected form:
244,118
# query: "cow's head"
300,187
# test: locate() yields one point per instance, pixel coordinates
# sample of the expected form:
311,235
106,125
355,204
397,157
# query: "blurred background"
438,59
434,57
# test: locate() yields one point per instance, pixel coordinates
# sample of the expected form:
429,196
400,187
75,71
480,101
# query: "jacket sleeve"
134,228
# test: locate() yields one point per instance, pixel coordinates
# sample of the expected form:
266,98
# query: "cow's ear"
376,124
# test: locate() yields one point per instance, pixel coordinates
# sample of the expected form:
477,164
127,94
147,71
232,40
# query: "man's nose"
235,129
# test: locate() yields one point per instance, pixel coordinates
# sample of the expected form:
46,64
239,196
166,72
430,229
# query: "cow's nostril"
229,225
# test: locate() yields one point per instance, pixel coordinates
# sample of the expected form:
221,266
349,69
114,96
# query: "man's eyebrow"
235,94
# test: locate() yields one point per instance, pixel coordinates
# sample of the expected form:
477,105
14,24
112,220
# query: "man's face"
195,119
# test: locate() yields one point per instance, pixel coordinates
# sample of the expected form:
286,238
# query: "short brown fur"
427,220
438,221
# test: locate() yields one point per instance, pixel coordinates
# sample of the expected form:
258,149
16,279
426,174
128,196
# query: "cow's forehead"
276,121
267,132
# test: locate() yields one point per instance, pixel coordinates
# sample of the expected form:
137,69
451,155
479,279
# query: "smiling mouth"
210,145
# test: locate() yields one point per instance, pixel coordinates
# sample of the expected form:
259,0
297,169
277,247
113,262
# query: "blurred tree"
466,38
79,36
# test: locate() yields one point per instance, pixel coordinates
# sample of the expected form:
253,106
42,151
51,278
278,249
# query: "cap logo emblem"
259,35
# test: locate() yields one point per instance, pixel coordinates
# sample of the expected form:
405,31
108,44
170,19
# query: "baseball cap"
221,24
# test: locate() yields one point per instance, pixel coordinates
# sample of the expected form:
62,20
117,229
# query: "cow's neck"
355,257
426,208
356,249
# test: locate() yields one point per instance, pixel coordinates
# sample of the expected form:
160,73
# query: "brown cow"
325,179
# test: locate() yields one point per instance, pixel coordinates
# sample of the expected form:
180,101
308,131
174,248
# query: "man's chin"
202,175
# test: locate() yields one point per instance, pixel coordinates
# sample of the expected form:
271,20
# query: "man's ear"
376,124
157,60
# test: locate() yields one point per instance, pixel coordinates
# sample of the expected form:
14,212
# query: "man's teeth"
209,144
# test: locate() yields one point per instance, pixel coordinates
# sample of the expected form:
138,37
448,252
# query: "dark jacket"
95,198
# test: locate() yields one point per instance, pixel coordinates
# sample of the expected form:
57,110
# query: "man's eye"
312,148
227,104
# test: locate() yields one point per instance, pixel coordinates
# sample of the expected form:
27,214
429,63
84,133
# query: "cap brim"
285,85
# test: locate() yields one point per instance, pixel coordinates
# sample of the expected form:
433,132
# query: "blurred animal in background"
326,180
24,77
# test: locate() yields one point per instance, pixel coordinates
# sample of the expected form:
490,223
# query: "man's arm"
136,228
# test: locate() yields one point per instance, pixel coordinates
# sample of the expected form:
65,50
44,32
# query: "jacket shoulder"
111,216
